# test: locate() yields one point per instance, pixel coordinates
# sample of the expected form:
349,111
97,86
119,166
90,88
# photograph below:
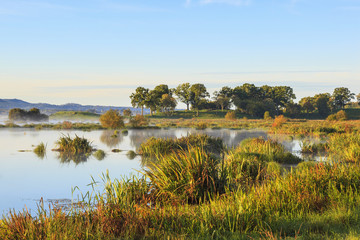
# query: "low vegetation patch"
40,150
155,147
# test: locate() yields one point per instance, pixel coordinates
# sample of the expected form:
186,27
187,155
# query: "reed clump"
40,150
266,150
76,145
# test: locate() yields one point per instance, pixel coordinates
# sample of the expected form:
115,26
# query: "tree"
198,95
183,93
112,119
358,98
127,112
282,95
223,97
138,99
342,96
308,104
168,103
322,105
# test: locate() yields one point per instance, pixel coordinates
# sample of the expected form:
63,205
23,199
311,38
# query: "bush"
139,121
230,115
339,116
279,120
112,119
267,116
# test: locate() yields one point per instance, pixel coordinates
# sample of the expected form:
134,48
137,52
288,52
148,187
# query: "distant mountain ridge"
7,104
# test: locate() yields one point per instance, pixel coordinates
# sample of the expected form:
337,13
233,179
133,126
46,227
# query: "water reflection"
76,158
139,136
111,138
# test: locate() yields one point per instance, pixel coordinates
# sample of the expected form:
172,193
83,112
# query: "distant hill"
7,104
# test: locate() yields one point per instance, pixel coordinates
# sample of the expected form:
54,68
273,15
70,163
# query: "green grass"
156,147
203,114
74,115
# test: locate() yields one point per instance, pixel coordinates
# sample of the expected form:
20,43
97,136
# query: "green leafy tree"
358,98
322,105
112,119
198,95
168,103
183,93
307,104
138,99
342,96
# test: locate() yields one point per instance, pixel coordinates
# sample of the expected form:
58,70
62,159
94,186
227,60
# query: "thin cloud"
228,2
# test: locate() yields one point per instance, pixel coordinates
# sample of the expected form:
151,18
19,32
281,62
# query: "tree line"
247,98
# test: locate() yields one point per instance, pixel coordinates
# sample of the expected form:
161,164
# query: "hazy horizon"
98,52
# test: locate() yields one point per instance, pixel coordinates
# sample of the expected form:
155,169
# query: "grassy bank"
75,115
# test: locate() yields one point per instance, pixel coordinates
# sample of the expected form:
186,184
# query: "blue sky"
99,51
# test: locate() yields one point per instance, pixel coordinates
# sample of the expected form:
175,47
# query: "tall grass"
192,176
266,150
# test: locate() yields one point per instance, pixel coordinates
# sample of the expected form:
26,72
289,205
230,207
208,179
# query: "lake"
26,178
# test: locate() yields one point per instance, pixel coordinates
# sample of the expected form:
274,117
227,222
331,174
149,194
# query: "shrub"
112,119
231,115
279,120
341,115
139,121
201,125
267,116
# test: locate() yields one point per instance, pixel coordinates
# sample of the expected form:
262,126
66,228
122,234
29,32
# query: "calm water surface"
26,178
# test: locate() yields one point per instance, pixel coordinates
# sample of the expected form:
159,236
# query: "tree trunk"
187,106
142,110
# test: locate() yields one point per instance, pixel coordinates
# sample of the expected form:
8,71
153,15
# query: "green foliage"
139,98
198,94
167,103
112,119
182,91
342,96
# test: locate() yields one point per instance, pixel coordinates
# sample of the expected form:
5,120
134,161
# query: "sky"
98,51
